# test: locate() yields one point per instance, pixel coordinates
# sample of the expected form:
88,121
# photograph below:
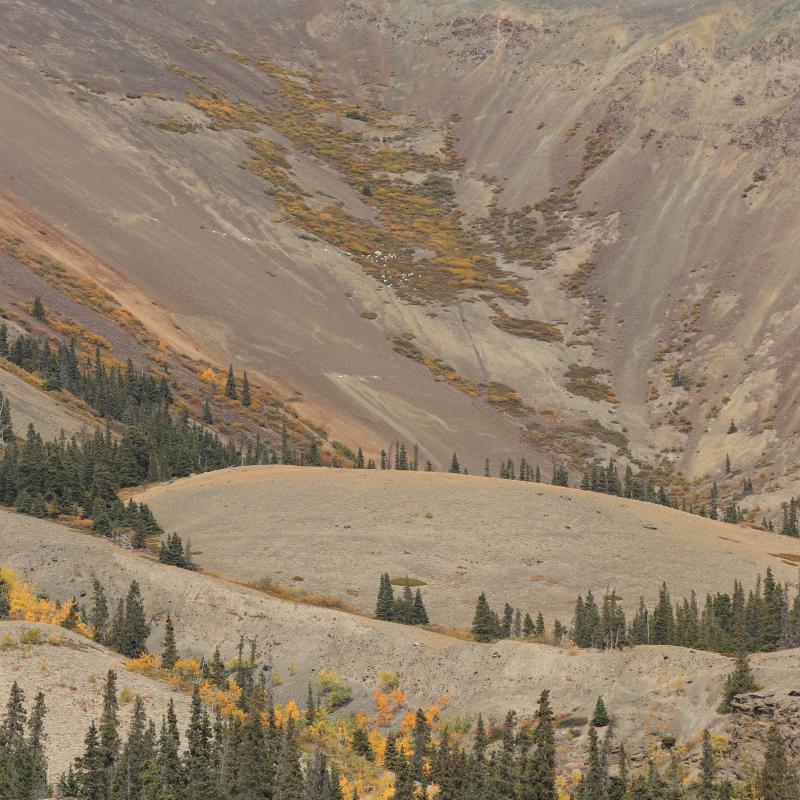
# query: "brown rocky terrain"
333,532
653,692
579,235
71,671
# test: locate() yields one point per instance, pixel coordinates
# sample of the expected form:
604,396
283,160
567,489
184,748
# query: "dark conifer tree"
289,784
740,681
707,789
600,716
136,630
246,400
484,625
169,652
109,742
230,385
777,779
384,608
200,782
37,309
420,614
5,598
539,778
528,626
90,769
359,742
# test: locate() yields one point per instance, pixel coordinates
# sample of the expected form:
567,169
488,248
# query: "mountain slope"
580,218
334,532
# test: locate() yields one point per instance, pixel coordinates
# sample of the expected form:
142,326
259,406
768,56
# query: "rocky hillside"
550,229
537,547
654,692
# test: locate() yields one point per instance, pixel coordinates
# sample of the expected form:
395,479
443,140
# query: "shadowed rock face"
551,229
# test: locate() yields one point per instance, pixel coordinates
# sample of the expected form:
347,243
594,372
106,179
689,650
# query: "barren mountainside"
547,229
407,391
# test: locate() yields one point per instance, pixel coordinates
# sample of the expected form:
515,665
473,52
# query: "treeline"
23,763
124,626
488,625
408,608
252,755
172,551
245,756
64,477
523,767
160,447
762,620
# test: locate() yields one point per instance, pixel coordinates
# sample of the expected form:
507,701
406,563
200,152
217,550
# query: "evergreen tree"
5,598
600,717
109,743
230,385
777,779
200,783
359,742
528,626
484,625
127,782
169,652
90,769
455,467
740,681
420,741
420,614
135,630
539,778
37,309
289,784
593,782
508,621
246,401
706,790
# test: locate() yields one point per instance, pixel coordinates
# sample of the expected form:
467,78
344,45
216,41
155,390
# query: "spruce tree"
5,598
359,743
778,778
455,467
37,309
539,779
420,614
706,790
90,770
169,652
528,627
109,742
420,742
136,630
384,608
230,385
593,780
484,627
246,401
508,621
600,716
740,681
289,784
200,783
